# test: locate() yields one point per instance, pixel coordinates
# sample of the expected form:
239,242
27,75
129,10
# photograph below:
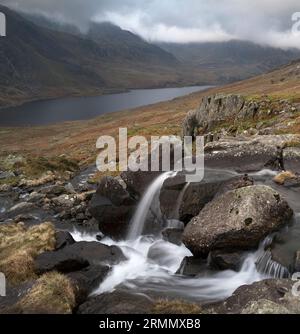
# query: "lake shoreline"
75,107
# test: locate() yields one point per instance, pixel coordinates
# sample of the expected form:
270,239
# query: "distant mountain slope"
39,62
235,59
43,59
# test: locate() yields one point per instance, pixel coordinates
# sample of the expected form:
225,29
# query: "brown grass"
19,246
51,294
163,306
77,139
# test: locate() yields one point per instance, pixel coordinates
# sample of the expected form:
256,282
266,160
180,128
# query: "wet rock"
173,235
54,190
78,256
6,175
238,219
63,239
100,236
65,201
21,208
117,302
285,177
191,266
291,157
225,261
248,154
112,206
36,197
194,196
297,262
260,298
87,280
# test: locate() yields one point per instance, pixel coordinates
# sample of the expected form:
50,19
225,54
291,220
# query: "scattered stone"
21,208
6,175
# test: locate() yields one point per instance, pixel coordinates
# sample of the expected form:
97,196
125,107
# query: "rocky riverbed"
152,243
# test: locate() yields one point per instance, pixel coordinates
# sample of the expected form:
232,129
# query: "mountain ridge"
42,60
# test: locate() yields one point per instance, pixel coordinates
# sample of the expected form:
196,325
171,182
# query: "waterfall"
179,201
138,221
266,265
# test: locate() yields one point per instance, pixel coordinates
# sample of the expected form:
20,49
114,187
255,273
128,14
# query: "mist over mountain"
43,58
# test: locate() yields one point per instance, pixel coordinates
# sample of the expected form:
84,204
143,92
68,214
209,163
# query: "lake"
80,108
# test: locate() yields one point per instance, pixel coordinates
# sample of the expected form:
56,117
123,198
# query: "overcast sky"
263,21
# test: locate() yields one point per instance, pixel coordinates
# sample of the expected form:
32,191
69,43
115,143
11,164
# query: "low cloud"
262,21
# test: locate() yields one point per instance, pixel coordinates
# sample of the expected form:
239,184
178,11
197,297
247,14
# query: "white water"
141,273
179,201
138,221
152,263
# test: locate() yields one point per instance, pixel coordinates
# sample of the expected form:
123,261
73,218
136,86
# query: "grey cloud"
263,21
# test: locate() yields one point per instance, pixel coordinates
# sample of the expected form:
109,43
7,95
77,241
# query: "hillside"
233,60
78,138
45,59
37,62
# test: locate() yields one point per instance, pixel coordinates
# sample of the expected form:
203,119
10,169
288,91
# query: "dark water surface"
80,108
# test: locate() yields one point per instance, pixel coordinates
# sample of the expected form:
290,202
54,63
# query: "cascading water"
138,221
152,263
179,201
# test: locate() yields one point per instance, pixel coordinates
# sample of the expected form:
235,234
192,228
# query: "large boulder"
238,219
191,198
78,256
112,206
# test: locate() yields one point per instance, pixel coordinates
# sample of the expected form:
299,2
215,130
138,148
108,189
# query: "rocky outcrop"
238,219
219,109
213,110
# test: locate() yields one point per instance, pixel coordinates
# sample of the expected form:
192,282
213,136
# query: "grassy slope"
77,139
